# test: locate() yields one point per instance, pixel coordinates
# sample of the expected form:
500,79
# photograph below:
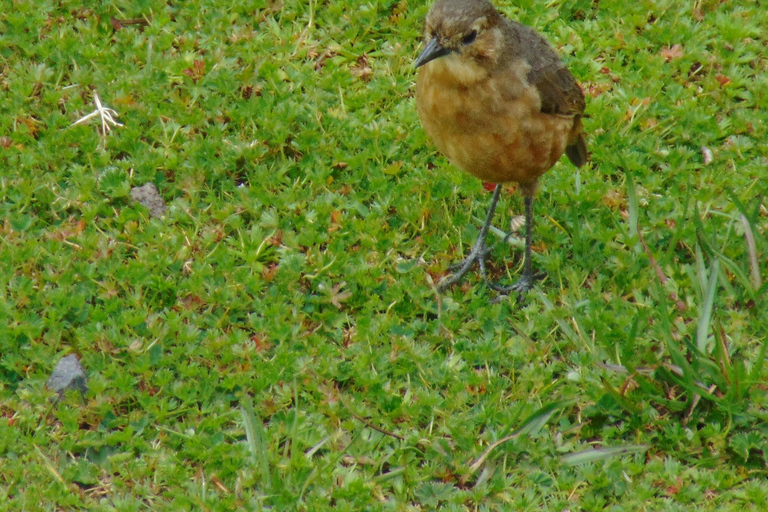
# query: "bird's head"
464,32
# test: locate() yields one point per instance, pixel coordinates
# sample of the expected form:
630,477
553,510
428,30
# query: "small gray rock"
148,195
68,374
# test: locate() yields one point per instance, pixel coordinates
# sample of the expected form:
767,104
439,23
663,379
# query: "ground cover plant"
273,339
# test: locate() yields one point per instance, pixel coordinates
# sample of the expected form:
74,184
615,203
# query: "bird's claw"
523,285
458,269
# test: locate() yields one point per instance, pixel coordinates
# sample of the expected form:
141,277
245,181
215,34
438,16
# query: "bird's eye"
469,38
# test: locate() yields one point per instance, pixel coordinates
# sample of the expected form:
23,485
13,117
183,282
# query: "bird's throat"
461,69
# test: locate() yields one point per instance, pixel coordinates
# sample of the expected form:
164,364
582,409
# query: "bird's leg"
526,281
528,278
479,250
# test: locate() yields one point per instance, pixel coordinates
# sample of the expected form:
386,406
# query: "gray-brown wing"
559,91
560,94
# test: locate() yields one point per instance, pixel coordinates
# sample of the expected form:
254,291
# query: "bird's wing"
558,90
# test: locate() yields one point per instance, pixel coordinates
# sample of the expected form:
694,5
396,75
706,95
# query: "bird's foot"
479,254
460,268
522,286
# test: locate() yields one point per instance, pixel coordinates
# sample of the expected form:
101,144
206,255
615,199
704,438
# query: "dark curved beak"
434,50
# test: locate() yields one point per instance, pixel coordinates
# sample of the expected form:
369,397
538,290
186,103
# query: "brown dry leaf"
117,24
674,489
269,272
722,80
642,101
650,123
192,302
125,100
338,296
335,221
673,53
361,69
247,91
70,229
348,336
219,484
197,70
31,123
614,200
399,12
694,72
277,239
595,90
320,62
260,343
607,71
199,66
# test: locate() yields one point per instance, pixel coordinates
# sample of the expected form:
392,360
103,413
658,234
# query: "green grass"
274,343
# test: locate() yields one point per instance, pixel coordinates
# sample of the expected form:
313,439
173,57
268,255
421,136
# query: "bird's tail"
577,145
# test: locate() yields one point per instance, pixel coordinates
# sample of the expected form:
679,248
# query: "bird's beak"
434,50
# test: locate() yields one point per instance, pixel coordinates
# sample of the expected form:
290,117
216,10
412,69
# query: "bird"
497,101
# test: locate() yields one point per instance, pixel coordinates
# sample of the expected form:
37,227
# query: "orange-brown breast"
489,126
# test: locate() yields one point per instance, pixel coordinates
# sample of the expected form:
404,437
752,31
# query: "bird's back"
557,88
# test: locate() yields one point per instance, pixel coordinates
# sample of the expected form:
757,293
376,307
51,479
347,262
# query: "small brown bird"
498,102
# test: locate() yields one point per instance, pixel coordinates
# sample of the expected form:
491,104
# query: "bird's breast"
493,127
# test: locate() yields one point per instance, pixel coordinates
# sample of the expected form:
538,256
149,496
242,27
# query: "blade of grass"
662,310
257,442
704,367
706,244
679,234
531,425
616,394
710,248
536,421
659,272
634,212
49,466
567,329
599,454
754,265
757,369
686,376
706,315
751,217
